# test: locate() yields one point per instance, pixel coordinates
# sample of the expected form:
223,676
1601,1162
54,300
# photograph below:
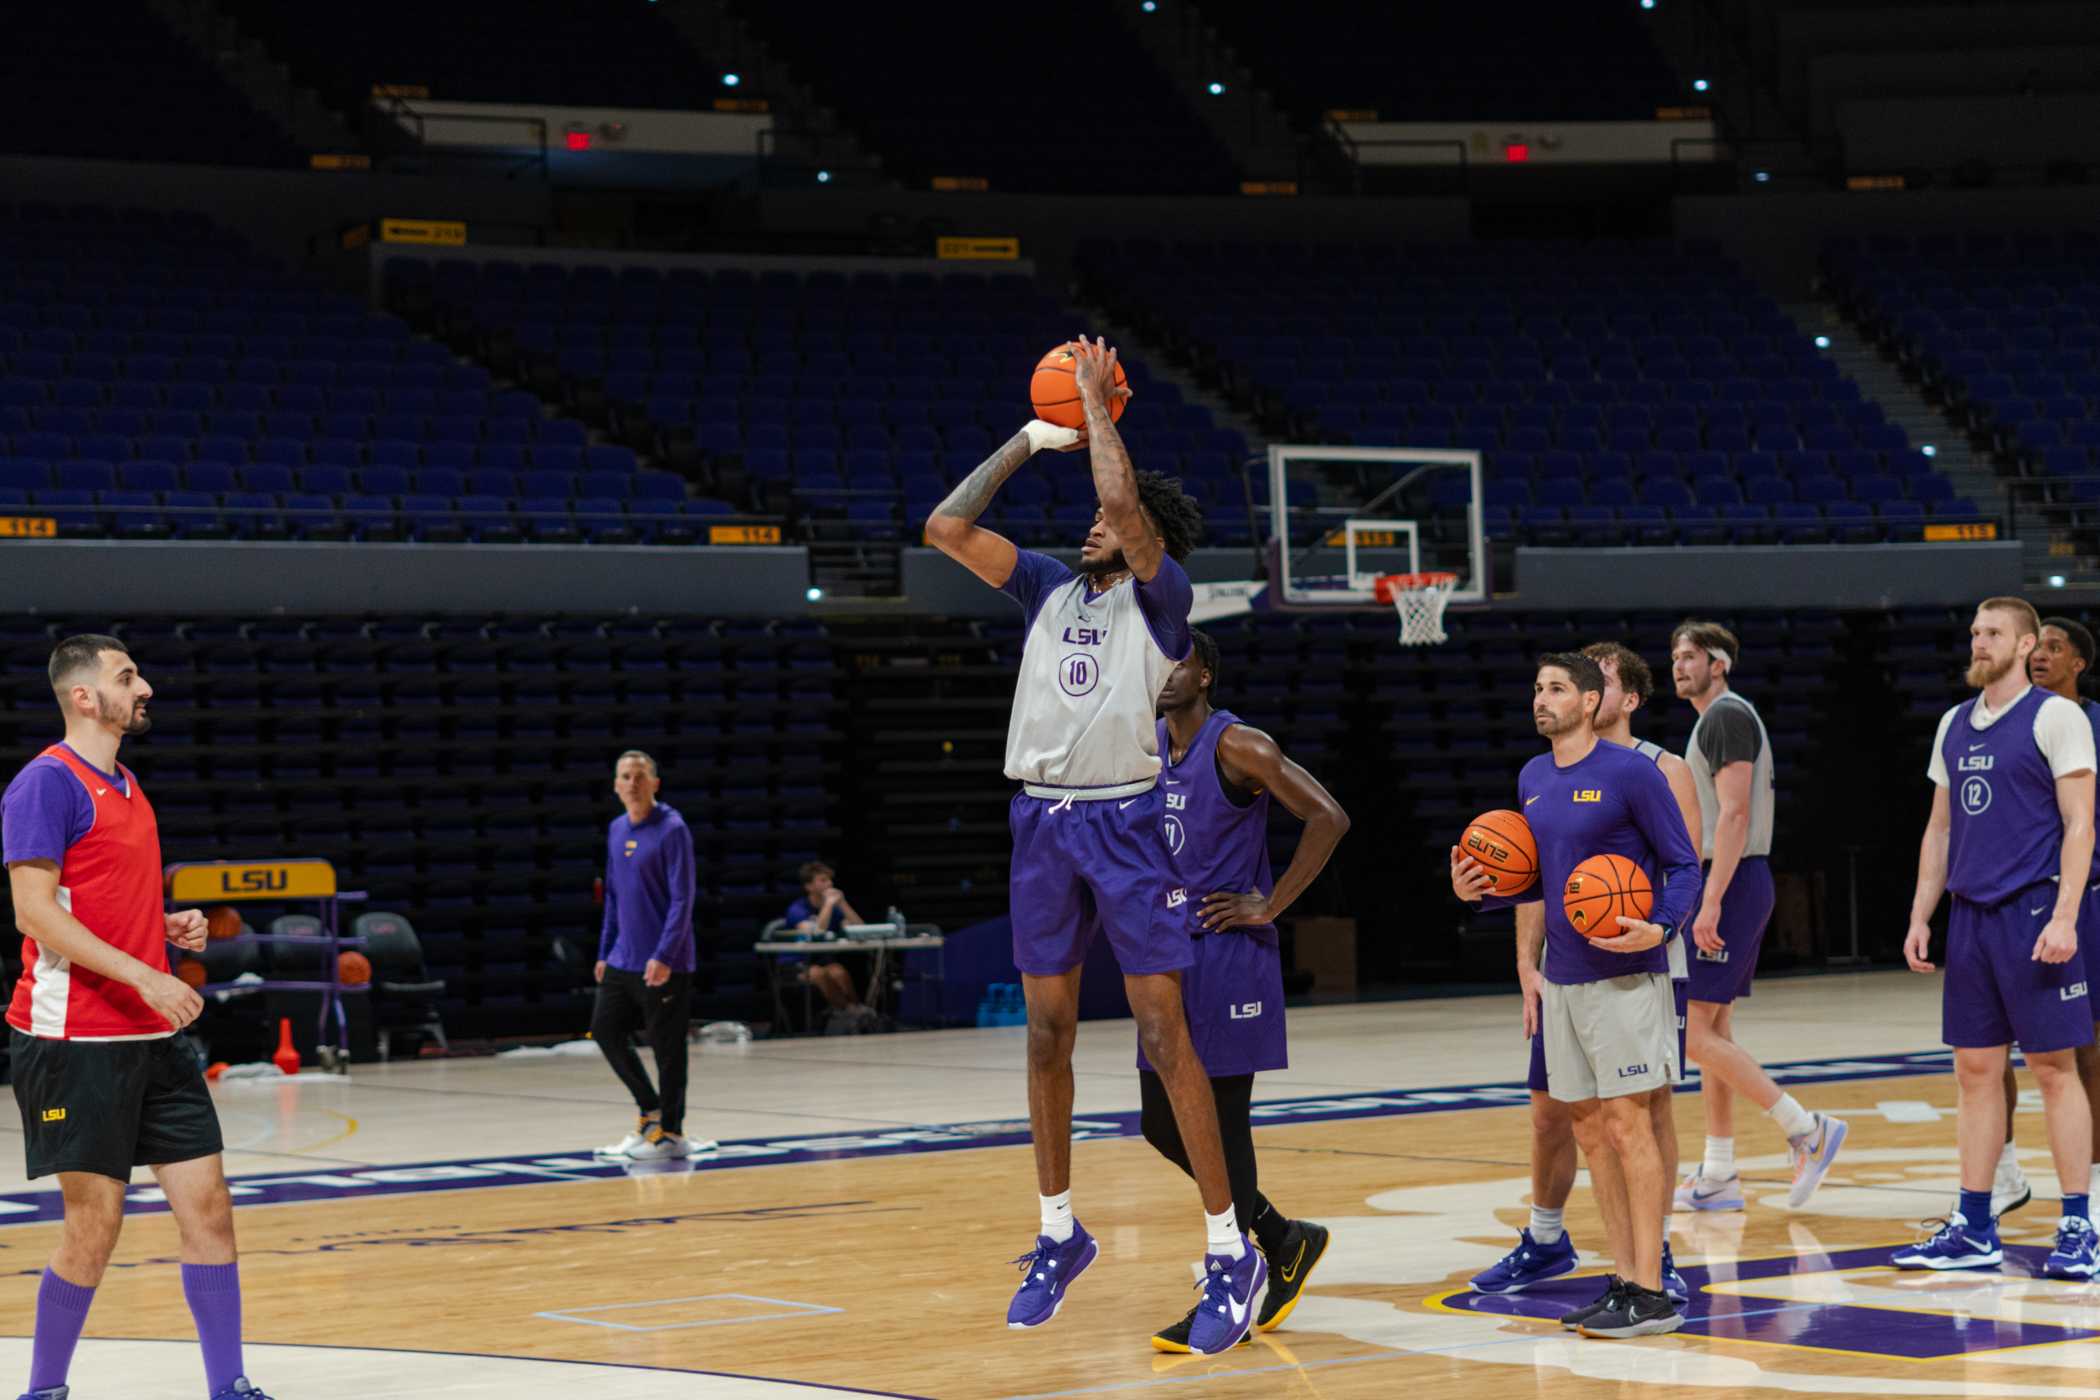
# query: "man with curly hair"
1090,852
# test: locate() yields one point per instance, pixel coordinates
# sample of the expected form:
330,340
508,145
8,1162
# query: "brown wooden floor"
907,1255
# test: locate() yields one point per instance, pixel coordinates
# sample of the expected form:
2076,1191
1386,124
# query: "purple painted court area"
1836,1327
476,1173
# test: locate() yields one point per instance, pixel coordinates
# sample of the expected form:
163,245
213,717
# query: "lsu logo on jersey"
630,850
54,1115
1086,636
1589,794
1246,1011
1177,898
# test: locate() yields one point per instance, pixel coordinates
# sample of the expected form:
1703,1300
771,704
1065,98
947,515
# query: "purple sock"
61,1311
214,1291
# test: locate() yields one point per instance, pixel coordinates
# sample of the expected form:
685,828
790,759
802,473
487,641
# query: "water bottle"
895,917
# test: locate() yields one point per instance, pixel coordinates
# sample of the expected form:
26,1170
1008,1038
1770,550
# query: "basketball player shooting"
1090,851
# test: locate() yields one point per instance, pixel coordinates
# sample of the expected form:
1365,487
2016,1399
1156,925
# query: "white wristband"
1043,435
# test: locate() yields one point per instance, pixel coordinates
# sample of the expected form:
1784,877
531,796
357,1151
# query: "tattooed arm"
1115,481
953,528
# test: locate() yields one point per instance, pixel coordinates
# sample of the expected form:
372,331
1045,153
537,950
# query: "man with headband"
1731,761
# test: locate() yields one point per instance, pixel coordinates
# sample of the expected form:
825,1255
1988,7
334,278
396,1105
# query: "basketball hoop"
1419,599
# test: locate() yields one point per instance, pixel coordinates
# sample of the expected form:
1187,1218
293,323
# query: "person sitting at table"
824,909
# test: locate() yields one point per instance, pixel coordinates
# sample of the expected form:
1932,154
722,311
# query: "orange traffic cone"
287,1056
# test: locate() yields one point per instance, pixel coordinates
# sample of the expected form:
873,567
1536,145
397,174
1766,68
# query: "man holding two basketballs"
1608,832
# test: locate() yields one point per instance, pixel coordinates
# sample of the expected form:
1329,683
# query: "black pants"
625,1005
1234,1096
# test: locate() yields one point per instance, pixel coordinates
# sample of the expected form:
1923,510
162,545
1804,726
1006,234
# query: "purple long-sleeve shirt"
1614,801
648,892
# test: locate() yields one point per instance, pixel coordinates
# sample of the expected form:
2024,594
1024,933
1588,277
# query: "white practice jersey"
1087,698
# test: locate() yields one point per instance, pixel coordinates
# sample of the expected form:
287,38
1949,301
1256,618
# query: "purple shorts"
1994,992
1536,1080
1080,867
1233,993
1745,910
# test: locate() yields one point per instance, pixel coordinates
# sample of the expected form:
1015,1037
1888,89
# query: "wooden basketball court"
440,1229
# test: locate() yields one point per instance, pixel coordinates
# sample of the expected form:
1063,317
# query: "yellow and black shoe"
1303,1244
1176,1338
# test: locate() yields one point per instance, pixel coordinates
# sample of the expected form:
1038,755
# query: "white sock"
1793,1120
2008,1159
1057,1216
1547,1226
2093,1187
1225,1236
1720,1159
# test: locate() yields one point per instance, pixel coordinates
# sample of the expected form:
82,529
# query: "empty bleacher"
1620,393
853,401
2005,331
163,380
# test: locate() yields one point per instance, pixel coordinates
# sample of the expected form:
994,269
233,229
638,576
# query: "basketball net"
1419,600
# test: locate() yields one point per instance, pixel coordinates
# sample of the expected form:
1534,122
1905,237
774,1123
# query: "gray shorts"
1611,1038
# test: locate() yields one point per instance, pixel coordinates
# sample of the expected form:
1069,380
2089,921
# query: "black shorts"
106,1106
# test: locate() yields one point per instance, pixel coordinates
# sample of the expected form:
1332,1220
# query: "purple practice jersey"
1233,991
2004,831
1612,801
1216,843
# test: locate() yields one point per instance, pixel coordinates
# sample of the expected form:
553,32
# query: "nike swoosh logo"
1529,800
1121,805
1974,747
1239,1307
100,791
1699,1195
1290,1274
1173,782
2036,910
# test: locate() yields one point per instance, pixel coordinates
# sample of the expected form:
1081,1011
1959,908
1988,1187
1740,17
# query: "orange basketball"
222,921
353,969
1602,889
1054,389
191,972
1502,842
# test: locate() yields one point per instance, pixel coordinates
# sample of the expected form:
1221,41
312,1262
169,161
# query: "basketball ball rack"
300,880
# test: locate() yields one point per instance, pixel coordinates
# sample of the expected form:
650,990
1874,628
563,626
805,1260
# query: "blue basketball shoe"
1529,1263
1227,1309
1957,1245
1674,1285
2074,1255
56,1392
241,1389
1050,1268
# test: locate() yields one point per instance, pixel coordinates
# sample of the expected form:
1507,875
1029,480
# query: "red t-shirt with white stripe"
109,878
